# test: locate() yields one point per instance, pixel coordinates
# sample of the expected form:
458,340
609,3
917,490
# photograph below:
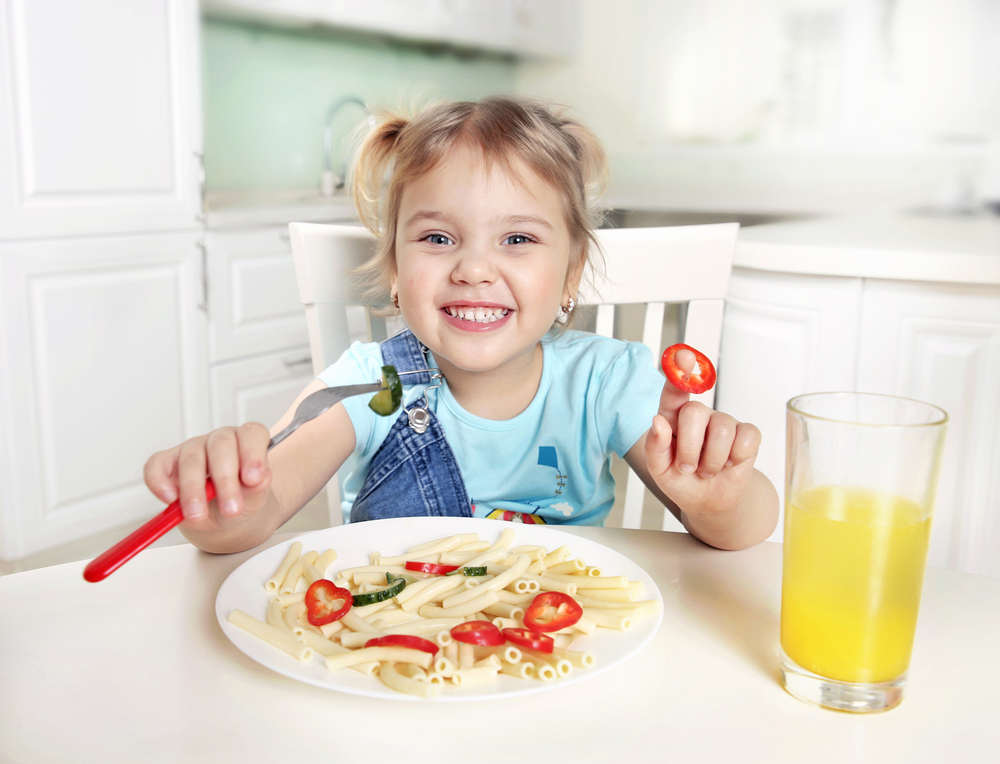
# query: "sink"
621,218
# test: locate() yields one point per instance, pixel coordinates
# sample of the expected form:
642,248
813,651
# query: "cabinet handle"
298,361
201,216
203,305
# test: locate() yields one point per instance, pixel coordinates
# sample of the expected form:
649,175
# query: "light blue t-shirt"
551,461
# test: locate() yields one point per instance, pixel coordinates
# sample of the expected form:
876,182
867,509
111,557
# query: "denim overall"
414,473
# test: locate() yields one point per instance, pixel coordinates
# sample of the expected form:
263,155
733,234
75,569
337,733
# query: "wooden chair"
656,267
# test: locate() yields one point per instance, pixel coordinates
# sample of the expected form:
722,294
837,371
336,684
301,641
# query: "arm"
750,520
699,463
257,490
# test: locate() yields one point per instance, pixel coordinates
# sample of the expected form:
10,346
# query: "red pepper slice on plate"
403,640
477,633
551,611
326,602
533,640
701,379
435,569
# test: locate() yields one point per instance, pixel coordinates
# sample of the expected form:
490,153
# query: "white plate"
244,590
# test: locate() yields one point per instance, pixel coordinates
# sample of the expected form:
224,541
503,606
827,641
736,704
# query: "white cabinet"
103,347
258,389
254,303
787,334
784,334
258,338
103,361
101,124
538,28
942,344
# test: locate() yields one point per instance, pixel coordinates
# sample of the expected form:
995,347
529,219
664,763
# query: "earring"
568,307
395,300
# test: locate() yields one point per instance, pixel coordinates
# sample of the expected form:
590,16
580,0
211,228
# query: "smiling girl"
483,218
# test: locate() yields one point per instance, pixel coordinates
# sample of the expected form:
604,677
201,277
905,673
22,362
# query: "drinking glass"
860,479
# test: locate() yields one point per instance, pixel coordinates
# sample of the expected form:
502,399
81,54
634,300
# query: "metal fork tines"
314,405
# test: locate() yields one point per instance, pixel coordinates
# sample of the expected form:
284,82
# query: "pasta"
431,605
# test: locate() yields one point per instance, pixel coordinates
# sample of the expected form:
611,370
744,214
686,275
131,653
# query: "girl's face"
482,263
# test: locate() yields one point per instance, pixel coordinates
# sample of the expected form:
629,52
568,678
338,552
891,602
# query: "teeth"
479,315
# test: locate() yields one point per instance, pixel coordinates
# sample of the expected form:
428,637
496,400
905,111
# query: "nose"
474,265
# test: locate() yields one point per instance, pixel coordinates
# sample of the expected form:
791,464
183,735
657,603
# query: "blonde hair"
505,130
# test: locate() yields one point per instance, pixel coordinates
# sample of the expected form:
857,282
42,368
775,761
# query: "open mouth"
477,315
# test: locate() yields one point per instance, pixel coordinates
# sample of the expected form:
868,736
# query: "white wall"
784,105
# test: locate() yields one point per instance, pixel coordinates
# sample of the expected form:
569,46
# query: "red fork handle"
103,566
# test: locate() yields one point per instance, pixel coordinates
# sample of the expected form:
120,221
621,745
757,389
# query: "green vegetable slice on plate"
386,401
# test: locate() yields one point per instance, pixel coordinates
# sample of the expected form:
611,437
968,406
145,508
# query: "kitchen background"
154,152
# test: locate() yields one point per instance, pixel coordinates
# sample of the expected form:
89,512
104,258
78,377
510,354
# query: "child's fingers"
160,474
253,439
719,440
746,444
659,447
191,476
692,423
223,456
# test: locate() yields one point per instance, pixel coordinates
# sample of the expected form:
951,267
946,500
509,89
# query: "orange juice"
853,568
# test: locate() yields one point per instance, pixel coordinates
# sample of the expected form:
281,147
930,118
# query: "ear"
574,274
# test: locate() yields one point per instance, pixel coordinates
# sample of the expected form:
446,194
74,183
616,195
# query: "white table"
136,668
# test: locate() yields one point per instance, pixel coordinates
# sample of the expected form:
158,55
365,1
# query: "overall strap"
405,352
414,473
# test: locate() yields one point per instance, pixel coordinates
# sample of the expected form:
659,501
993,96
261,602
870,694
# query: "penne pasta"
280,638
475,676
294,552
431,605
380,654
294,573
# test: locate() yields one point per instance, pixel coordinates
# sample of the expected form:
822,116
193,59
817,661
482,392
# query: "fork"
311,407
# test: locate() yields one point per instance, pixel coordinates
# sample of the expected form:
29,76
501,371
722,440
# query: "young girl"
484,231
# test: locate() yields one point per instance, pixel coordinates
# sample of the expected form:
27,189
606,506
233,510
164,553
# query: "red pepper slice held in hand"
403,640
551,611
533,640
433,568
700,380
481,633
326,602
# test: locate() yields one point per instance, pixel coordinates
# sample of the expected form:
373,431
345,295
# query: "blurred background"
153,152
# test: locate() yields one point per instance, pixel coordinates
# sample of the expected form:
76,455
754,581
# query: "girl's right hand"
236,460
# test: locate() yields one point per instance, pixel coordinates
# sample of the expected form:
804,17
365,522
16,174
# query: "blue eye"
517,238
438,238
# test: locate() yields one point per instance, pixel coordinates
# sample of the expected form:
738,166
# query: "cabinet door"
253,305
784,335
101,116
259,389
941,344
103,363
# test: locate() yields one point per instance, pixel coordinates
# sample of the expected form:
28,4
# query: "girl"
484,232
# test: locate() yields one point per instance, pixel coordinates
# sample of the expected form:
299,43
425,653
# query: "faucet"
330,182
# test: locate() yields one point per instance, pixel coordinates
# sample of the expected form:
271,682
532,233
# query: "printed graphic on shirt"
547,458
516,517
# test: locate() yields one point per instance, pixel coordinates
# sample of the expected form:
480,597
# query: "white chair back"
652,266
661,266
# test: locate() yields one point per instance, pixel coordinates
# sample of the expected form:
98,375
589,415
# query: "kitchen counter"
912,247
243,208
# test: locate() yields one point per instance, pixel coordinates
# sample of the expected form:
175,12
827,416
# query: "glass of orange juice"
860,478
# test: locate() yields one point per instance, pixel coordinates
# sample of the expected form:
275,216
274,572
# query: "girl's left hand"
700,458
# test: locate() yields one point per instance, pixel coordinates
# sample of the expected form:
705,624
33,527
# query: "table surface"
136,668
